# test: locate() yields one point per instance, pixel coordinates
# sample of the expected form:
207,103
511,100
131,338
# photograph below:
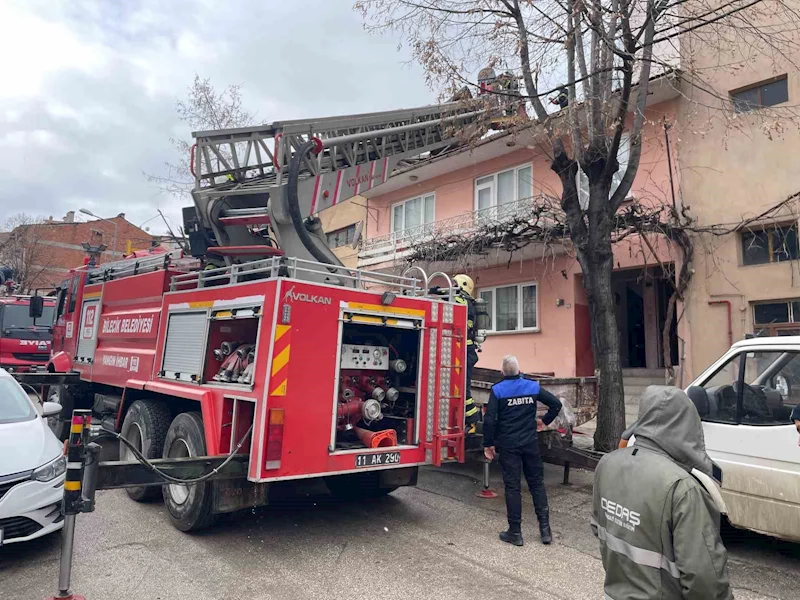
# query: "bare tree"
605,55
204,108
24,252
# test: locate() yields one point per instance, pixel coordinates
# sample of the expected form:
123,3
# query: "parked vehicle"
745,400
32,466
24,341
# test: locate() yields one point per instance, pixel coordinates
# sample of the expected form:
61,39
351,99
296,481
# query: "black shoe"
511,537
544,531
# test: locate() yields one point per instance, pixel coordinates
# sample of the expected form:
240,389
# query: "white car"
32,466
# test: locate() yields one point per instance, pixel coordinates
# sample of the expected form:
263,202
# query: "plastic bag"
566,417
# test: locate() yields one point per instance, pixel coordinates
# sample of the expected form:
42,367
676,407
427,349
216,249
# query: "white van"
745,400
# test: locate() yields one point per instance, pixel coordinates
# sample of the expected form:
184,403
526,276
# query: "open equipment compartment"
377,396
231,348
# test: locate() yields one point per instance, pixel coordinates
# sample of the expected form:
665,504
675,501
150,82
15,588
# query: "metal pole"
73,499
65,570
486,492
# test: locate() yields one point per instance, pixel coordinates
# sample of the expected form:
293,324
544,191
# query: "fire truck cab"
24,341
358,383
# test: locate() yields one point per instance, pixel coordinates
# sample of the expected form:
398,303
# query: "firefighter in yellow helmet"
463,295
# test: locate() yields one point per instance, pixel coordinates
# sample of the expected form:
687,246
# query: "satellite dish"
357,234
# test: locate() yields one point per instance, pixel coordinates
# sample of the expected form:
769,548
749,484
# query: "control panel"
365,357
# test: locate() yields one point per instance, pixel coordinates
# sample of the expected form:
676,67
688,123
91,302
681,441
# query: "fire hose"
142,459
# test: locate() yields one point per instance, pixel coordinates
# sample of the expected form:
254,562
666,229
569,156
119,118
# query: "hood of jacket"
670,424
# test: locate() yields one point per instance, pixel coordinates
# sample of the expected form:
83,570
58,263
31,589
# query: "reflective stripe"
470,412
645,558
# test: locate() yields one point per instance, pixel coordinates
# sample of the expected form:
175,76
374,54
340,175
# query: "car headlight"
55,468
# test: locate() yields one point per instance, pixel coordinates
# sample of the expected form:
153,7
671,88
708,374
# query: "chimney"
69,217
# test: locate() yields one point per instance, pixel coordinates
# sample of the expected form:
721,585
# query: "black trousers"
525,460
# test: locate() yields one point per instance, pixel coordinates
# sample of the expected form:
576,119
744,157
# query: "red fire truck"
24,341
261,340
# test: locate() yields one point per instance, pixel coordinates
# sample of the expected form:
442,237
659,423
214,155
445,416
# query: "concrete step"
655,373
643,381
638,386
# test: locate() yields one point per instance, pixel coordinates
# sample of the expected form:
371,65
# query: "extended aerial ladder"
258,188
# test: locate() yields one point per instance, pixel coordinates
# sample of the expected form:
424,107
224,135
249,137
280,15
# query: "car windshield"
14,404
16,315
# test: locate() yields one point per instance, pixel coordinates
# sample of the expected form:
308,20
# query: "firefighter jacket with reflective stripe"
469,301
658,527
462,298
510,420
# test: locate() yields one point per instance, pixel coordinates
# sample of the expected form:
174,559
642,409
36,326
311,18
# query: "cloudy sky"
87,100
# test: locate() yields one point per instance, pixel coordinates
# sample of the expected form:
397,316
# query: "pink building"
535,294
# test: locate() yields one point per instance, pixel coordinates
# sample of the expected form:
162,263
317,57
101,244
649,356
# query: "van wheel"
145,426
189,506
357,486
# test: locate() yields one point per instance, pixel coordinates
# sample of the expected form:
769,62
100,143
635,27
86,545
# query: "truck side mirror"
36,307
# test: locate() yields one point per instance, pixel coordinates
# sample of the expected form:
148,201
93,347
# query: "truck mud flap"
392,478
236,494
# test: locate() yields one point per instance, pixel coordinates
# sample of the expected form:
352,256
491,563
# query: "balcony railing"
398,244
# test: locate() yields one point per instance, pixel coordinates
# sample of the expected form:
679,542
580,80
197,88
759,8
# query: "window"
775,244
341,237
763,393
512,307
413,213
15,406
777,318
767,93
504,187
719,393
17,316
623,155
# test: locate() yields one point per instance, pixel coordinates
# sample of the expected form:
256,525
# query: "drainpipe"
727,303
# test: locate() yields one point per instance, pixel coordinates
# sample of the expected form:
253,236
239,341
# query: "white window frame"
399,232
583,181
493,311
493,185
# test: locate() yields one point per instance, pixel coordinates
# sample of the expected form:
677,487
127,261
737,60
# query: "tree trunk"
597,268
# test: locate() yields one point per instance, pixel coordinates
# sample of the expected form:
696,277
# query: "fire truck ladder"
252,183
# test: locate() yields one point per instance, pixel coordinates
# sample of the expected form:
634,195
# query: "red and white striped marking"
338,186
317,188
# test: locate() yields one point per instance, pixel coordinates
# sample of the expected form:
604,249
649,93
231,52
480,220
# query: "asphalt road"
436,541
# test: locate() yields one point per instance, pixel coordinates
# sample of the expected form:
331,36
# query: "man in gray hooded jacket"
658,527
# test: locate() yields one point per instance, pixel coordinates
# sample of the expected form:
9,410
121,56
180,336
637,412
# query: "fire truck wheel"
145,426
357,486
189,506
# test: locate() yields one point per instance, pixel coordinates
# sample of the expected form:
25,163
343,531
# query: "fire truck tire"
357,486
189,507
145,425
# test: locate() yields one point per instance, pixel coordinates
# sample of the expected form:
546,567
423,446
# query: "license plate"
377,459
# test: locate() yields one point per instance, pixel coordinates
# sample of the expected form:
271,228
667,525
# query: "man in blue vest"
510,429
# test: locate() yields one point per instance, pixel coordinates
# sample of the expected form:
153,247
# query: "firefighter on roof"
465,287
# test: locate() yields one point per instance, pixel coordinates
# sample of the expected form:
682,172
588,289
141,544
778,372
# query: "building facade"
341,224
691,159
43,252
